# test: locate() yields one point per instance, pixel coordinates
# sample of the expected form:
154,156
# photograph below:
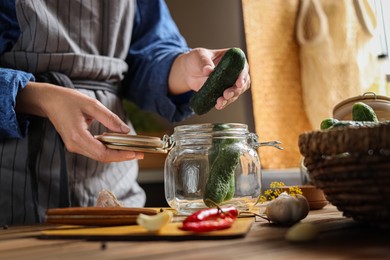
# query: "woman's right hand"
190,70
71,113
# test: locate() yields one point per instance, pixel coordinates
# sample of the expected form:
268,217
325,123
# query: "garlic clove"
154,222
302,232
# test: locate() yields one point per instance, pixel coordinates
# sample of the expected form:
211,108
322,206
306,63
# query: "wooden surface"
340,238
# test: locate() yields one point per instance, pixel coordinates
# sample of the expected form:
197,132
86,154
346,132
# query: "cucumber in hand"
224,76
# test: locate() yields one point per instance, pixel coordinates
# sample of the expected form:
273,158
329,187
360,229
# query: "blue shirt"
156,42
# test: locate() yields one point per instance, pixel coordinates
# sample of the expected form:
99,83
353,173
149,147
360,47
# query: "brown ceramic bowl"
314,196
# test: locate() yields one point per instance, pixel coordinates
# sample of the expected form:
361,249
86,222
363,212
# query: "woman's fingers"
88,146
231,94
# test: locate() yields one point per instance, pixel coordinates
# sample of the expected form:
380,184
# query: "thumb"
207,69
206,62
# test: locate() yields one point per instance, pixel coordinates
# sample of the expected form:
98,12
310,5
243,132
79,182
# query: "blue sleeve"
156,42
11,124
11,81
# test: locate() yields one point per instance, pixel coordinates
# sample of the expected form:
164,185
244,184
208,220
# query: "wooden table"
340,238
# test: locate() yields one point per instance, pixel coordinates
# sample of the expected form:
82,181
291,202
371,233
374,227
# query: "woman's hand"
71,113
190,70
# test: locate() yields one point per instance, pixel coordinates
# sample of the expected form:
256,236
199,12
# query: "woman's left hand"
190,71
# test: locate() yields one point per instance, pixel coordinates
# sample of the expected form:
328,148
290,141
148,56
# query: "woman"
64,68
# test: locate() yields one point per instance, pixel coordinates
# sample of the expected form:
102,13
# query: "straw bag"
337,57
273,56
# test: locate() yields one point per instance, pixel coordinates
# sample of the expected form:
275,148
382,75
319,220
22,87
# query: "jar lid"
136,143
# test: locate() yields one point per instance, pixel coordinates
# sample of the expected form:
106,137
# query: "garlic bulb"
287,209
107,199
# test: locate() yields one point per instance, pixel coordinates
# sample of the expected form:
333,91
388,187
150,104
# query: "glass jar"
216,159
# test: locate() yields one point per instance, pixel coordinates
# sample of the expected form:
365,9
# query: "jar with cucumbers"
212,165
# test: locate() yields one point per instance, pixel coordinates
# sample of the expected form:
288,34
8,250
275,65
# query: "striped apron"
80,44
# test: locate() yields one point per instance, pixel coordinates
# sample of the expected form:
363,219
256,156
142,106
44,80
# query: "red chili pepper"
211,213
209,225
210,219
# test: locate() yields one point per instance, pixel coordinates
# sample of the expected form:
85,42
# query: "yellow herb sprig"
275,190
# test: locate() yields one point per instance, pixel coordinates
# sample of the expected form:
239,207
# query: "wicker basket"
352,167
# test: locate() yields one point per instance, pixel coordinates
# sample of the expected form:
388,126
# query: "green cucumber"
223,76
219,183
348,123
333,123
214,150
362,115
232,188
215,146
328,123
363,112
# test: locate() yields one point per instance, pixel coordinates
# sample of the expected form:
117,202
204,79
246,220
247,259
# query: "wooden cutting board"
134,232
96,216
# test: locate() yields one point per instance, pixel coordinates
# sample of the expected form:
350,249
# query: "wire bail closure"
253,141
167,142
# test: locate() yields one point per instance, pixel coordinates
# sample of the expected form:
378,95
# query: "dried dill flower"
275,190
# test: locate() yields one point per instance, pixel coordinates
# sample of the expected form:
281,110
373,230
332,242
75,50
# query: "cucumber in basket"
333,123
363,112
224,75
362,115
